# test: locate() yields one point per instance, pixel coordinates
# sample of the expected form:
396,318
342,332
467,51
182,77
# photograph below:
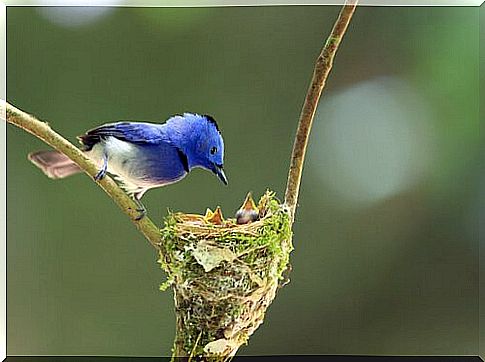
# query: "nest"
224,273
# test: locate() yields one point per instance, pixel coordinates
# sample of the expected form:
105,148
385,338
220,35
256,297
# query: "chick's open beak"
219,171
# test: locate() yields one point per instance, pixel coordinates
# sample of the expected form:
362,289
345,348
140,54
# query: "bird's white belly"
122,161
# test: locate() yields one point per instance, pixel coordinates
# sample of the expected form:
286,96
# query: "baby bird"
142,156
248,211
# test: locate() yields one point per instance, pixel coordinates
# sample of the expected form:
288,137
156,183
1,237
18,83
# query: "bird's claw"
102,172
142,213
100,175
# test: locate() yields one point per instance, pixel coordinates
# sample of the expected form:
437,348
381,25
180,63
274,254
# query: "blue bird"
142,156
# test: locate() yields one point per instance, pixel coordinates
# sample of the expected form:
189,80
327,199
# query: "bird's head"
200,139
209,148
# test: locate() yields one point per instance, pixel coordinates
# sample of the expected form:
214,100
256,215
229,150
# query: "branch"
43,131
320,74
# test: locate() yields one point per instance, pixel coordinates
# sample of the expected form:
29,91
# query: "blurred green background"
386,252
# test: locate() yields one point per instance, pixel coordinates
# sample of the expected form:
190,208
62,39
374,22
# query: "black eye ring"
213,150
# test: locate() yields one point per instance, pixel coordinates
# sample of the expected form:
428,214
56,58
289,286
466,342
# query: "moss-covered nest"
224,273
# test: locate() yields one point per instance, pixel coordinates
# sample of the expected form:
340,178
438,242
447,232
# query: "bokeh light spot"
73,16
372,140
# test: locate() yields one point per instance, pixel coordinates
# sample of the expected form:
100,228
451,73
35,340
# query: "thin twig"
320,74
43,131
192,353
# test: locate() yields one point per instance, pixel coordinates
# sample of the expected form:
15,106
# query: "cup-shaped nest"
224,273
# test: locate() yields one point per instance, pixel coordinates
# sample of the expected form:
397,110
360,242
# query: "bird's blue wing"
133,132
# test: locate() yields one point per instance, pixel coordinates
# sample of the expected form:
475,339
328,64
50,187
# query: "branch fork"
153,234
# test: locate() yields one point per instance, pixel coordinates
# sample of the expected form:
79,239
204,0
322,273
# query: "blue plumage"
144,155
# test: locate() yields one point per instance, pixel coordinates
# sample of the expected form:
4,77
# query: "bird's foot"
141,209
141,215
102,172
100,175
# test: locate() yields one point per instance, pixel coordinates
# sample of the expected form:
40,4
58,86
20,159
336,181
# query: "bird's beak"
219,171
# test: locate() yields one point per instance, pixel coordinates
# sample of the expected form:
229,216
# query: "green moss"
224,276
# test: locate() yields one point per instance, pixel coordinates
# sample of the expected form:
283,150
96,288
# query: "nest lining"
224,275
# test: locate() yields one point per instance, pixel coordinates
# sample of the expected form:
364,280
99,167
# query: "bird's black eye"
213,150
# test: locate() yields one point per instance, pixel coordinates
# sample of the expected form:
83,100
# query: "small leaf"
210,256
219,346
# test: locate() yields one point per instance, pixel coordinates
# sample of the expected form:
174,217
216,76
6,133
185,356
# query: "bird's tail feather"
54,164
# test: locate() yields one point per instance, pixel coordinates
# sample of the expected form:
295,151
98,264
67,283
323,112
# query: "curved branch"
43,131
320,74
